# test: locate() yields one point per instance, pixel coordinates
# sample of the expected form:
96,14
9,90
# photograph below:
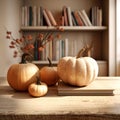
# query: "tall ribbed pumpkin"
77,71
20,76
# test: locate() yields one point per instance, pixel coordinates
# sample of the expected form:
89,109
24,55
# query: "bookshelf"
101,35
66,28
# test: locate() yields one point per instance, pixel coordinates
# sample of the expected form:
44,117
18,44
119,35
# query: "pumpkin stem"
38,81
50,63
23,60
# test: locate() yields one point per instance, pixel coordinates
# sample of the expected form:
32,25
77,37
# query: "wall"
9,20
112,47
118,37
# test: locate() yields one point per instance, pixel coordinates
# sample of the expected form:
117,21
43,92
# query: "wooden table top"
20,105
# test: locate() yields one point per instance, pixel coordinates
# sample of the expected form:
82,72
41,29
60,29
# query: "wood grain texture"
21,106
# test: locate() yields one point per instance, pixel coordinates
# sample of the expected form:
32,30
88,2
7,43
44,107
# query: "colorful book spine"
69,16
46,18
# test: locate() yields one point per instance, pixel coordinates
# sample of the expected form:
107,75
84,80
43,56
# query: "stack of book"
55,50
96,16
39,16
75,18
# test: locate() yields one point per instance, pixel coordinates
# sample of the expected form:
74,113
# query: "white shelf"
44,62
65,28
55,62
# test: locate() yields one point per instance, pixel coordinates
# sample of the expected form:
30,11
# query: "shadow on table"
7,90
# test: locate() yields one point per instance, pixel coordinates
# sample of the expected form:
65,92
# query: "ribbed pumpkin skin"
49,75
77,71
19,76
37,90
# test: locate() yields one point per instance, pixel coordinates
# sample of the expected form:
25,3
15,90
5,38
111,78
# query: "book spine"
30,18
41,16
65,15
38,16
82,18
86,17
99,17
63,21
51,18
66,47
47,51
57,50
50,50
46,18
73,19
78,19
26,16
53,50
63,48
36,50
23,16
34,16
69,16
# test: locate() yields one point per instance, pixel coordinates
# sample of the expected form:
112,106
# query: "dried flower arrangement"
25,44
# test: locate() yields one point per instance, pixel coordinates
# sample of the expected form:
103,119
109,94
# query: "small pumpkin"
38,89
19,76
49,74
77,71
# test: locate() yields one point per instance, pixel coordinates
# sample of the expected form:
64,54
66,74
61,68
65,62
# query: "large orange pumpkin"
19,76
77,71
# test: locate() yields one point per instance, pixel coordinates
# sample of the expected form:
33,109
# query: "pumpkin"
19,76
38,89
77,71
49,74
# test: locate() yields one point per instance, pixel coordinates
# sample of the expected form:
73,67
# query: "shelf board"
44,62
55,62
66,28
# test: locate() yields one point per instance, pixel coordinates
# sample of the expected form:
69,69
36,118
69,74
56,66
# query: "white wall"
10,19
112,42
118,37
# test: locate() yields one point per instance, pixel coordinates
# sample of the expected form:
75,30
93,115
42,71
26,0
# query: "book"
23,16
100,86
51,17
96,15
34,16
53,50
30,15
66,47
46,51
26,16
99,16
60,48
46,18
57,49
38,16
50,50
65,15
86,18
62,21
92,14
74,20
41,15
69,16
78,19
83,18
36,50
